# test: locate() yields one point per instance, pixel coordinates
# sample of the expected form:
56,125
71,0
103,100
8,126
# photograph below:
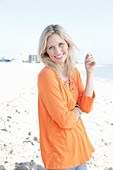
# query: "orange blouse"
63,140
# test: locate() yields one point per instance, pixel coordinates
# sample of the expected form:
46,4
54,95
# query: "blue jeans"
80,167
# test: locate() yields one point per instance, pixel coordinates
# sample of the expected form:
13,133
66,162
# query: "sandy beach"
19,132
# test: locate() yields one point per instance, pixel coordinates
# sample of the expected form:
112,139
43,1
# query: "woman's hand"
77,112
90,63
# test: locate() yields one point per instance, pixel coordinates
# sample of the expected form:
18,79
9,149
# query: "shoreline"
19,141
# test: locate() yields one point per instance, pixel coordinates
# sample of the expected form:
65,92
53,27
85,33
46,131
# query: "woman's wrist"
89,74
89,84
78,108
78,112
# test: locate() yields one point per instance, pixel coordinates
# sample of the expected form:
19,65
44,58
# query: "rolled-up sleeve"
86,103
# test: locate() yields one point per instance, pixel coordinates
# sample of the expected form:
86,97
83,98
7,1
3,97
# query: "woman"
61,100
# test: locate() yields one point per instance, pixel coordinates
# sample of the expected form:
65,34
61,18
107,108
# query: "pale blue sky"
88,22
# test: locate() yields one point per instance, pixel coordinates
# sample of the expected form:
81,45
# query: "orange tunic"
63,140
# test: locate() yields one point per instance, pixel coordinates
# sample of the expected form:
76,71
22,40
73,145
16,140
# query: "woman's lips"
59,57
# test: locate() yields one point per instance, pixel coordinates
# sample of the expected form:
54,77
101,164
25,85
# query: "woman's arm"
90,64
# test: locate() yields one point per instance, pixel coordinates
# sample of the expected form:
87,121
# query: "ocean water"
104,73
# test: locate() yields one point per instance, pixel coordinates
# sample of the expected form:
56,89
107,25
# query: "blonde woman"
61,100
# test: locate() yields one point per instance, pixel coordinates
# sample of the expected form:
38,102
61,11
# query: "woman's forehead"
55,38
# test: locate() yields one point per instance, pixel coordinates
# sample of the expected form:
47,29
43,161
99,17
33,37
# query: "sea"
103,73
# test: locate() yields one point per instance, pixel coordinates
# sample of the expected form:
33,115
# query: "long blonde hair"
44,57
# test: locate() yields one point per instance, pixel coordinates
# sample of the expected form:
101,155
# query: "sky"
88,22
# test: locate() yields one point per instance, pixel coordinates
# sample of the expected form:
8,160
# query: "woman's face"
57,48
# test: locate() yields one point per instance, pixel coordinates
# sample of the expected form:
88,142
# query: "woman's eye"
50,47
61,44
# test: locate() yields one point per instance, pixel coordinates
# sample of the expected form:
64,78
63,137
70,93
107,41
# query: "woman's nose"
57,51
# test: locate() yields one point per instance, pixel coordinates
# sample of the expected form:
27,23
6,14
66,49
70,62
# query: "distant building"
33,58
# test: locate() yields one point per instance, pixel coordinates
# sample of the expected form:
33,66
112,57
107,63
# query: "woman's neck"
63,71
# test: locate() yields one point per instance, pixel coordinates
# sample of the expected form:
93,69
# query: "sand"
19,130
